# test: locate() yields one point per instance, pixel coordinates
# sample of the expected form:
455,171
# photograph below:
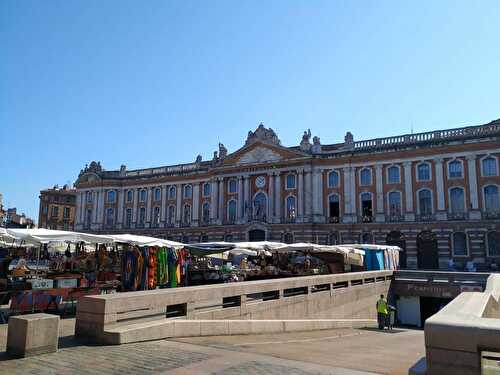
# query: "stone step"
163,329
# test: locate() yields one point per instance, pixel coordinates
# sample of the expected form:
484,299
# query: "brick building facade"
436,194
57,208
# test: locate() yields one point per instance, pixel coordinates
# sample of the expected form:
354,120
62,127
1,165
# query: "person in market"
382,312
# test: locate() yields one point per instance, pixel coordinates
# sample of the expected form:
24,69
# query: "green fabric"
173,275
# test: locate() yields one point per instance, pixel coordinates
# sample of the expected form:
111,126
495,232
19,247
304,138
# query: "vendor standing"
382,312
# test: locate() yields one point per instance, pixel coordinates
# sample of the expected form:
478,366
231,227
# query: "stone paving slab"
333,352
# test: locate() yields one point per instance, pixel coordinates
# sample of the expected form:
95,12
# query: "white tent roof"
144,240
39,236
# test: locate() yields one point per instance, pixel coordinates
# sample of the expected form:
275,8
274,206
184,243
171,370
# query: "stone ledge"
157,330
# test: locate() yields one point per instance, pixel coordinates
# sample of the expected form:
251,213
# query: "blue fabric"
374,260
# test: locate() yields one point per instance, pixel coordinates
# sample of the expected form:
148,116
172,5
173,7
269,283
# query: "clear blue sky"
148,83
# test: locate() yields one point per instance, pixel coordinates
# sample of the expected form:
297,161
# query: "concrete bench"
32,334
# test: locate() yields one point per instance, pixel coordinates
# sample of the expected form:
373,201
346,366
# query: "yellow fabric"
382,306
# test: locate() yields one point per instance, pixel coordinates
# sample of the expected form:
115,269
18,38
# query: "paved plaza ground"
342,351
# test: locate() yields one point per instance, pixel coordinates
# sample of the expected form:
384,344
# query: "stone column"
221,200
178,204
213,201
270,206
78,209
277,201
348,209
121,205
100,208
163,209
300,196
379,217
409,211
196,204
440,213
149,192
240,206
307,196
474,213
318,215
246,202
134,209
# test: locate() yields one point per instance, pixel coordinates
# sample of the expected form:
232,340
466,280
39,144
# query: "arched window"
157,194
204,238
110,216
142,215
128,217
171,215
366,176
393,175
366,238
366,207
206,189
130,195
142,195
111,196
260,206
172,192
231,211
333,179
156,216
228,238
232,186
334,208
395,203
333,239
288,238
459,244
457,203
186,216
188,191
455,169
290,181
185,239
425,202
424,172
489,166
290,207
491,199
205,214
493,240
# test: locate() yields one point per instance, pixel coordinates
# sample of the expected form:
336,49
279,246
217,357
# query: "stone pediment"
260,152
259,155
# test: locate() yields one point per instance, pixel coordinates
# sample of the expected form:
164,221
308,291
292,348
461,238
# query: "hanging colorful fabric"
152,266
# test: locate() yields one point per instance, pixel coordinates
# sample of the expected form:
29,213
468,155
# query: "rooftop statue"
305,143
263,134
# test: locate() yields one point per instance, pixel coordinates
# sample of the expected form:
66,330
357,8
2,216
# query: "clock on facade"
260,182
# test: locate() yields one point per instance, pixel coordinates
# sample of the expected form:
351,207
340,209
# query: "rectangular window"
290,181
67,211
55,211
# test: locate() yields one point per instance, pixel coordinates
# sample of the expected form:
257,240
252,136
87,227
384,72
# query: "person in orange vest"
382,312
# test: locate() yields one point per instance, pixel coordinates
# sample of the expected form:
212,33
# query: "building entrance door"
256,235
396,238
427,251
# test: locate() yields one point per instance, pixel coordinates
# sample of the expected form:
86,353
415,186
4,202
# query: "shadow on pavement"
391,331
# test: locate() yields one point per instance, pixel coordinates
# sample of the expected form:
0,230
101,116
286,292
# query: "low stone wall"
455,336
341,296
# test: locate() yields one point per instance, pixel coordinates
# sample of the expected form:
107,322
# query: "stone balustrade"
438,135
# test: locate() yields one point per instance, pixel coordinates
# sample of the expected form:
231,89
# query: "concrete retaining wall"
341,296
455,336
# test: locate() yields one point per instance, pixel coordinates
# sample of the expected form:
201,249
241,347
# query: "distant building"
3,214
57,208
15,220
435,194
